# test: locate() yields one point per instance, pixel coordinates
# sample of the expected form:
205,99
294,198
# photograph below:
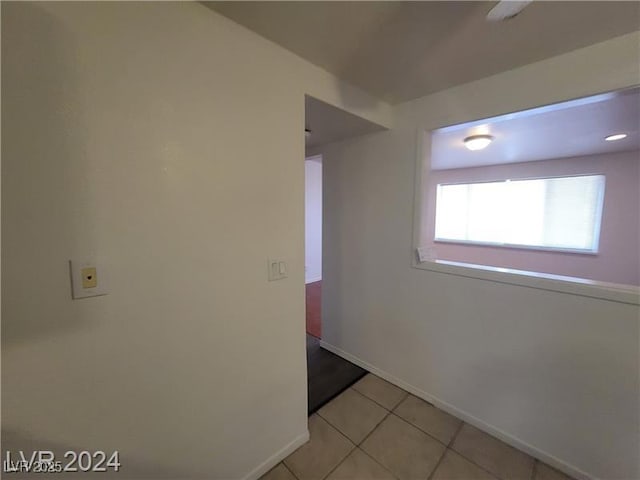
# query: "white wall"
167,141
313,219
553,373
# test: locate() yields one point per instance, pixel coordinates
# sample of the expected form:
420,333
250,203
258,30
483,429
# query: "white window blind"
548,213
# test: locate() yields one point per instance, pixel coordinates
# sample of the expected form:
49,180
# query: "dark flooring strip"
328,374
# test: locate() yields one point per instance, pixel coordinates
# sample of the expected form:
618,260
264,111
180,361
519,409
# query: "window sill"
542,281
517,247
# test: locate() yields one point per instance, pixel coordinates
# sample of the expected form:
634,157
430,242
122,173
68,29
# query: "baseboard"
461,414
317,278
277,457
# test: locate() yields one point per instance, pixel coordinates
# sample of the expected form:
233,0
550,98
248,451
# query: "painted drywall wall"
165,141
313,219
553,373
618,258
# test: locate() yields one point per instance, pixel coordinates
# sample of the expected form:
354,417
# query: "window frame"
625,294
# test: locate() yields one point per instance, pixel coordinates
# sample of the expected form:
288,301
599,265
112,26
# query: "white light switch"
87,279
277,270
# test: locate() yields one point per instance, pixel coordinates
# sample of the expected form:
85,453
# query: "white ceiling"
571,129
330,124
398,50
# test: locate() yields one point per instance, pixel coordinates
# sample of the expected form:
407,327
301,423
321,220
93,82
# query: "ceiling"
398,51
330,124
569,129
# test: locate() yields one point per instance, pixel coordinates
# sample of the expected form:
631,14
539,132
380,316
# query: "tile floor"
376,431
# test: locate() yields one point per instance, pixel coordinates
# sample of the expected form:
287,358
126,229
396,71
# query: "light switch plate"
88,279
277,269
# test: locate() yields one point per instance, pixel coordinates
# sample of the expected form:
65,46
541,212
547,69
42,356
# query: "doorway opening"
328,375
313,244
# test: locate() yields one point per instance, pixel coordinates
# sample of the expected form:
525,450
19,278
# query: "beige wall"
555,374
166,141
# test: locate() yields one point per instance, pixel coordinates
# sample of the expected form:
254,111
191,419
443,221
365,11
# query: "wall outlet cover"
277,269
88,279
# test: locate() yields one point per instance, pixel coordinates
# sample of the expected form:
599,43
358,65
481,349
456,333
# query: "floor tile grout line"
389,412
374,429
372,458
337,429
447,445
406,394
340,431
290,471
408,423
342,460
429,433
371,399
488,472
435,469
353,444
455,435
419,429
450,444
484,469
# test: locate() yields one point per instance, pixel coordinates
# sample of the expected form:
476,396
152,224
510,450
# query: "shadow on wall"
45,190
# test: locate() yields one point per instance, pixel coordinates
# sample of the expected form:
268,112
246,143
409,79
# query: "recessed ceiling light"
478,142
616,136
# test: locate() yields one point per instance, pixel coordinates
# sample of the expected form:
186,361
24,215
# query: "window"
561,213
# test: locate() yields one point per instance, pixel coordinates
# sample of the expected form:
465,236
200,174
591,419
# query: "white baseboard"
277,457
317,278
461,414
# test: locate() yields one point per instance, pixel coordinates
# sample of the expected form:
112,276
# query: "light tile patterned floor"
377,431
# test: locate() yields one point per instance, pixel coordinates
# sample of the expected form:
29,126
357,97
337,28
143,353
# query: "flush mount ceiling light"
506,10
478,142
615,136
